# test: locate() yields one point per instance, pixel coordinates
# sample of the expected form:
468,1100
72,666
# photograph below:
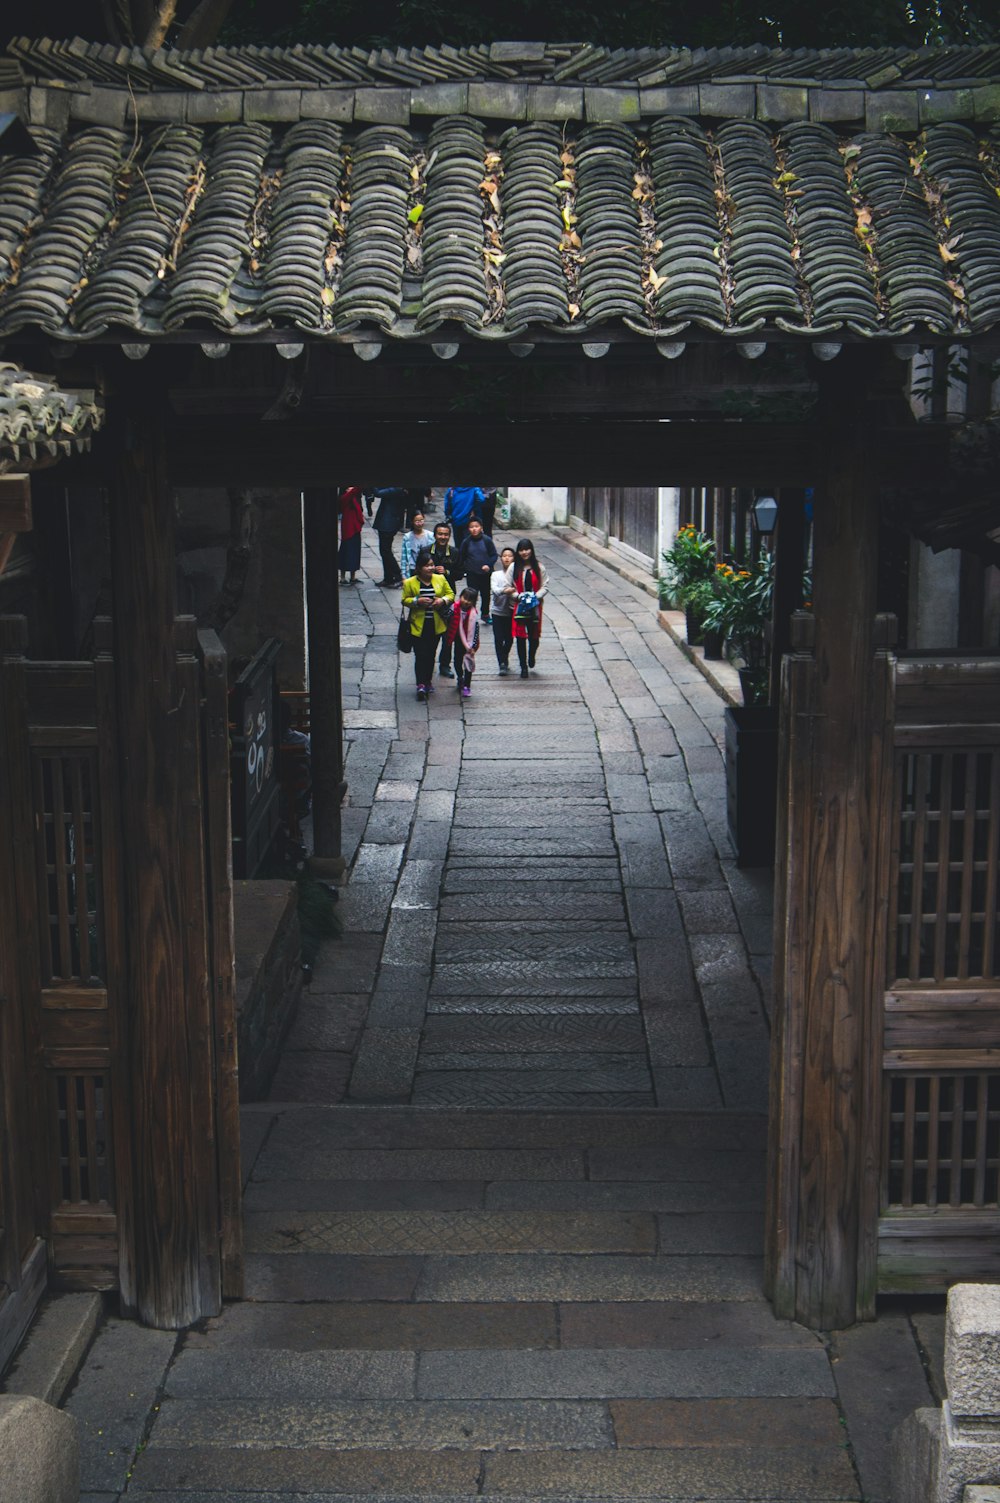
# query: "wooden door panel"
940,1200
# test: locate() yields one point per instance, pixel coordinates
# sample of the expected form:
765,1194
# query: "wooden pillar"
174,1212
836,715
326,713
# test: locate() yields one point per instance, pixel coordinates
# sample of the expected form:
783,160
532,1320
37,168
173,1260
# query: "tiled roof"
78,61
466,223
38,420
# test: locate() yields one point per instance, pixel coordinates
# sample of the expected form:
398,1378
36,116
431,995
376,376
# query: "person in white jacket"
502,607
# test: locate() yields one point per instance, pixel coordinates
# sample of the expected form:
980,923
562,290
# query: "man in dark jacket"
445,560
388,521
476,559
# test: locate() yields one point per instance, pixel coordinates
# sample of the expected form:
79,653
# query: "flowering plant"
741,611
689,565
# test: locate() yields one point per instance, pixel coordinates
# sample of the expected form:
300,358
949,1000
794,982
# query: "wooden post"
789,547
175,1201
829,899
326,714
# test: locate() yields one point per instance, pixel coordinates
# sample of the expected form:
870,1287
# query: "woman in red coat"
531,580
352,521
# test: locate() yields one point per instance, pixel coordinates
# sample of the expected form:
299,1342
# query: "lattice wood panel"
71,929
942,1141
944,920
83,1166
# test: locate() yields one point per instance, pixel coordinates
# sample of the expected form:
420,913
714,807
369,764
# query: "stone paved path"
544,907
448,1303
504,1209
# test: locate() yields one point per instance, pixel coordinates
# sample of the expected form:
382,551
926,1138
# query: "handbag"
404,636
527,606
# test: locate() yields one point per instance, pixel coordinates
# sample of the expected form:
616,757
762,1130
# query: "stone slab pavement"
504,1210
539,873
448,1303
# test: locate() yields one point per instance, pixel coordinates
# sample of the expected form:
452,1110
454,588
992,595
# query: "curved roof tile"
39,421
309,227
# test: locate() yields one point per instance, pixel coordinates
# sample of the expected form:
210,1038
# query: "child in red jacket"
463,630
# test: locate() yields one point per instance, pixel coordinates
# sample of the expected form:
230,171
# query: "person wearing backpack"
477,558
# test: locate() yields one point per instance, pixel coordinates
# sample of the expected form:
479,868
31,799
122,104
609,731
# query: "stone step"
502,1277
509,1038
376,1327
476,1091
455,1233
779,1474
604,954
611,978
531,1076
406,1128
574,906
491,1062
322,1381
600,1002
306,1423
358,1326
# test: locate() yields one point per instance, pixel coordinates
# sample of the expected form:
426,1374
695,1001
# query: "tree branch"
162,21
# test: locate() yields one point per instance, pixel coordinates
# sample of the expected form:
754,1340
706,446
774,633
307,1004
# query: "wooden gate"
66,1183
940,1215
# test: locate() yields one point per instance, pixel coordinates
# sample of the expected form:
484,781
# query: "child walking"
502,607
464,631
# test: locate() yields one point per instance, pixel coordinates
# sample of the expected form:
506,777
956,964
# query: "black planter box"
752,782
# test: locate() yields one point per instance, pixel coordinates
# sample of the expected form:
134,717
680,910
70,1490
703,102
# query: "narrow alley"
543,905
504,1206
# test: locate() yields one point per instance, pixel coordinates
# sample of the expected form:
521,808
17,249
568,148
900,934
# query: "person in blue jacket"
476,559
460,503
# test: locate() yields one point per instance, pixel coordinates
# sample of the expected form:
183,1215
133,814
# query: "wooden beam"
326,715
568,452
175,1226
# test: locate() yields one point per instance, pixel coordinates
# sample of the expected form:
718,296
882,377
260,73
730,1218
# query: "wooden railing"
940,1196
60,789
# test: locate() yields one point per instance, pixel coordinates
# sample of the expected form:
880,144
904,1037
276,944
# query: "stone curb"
722,676
55,1346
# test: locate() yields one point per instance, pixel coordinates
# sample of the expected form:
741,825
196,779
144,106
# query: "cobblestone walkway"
504,1210
543,908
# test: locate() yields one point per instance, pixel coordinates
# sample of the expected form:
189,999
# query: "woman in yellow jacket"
425,594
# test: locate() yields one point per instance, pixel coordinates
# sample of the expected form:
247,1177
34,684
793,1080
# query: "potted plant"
688,574
699,600
740,608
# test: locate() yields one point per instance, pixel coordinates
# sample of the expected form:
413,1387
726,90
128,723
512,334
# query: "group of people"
443,625
441,622
395,508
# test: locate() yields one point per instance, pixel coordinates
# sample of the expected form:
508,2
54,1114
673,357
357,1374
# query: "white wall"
548,502
669,515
